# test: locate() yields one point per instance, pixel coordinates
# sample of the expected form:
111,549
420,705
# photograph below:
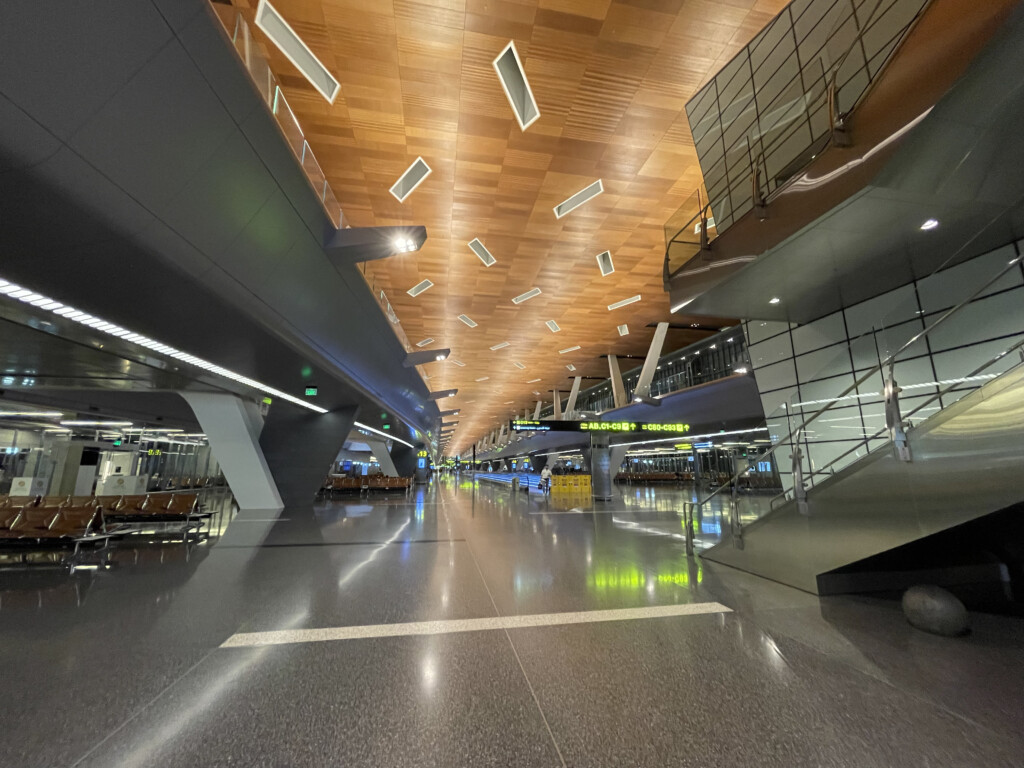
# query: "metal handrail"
929,401
836,119
1013,263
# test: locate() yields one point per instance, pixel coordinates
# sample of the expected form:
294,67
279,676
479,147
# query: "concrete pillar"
536,411
618,390
404,459
67,458
380,452
233,426
600,465
570,407
557,414
643,384
300,446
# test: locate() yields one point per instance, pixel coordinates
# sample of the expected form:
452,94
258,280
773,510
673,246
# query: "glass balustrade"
778,103
268,87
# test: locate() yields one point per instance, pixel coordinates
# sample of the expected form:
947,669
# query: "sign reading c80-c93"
529,425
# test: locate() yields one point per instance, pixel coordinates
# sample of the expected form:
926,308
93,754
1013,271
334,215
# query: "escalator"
966,462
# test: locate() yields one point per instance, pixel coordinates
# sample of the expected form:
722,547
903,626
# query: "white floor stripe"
284,637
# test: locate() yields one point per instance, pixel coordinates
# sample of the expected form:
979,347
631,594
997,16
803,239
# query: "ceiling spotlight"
404,245
774,300
439,357
930,224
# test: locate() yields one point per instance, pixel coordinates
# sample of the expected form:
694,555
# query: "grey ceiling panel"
266,139
158,131
62,63
178,13
236,175
23,140
217,62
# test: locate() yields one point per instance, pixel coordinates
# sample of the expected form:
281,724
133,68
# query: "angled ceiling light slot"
467,321
526,296
483,378
502,345
624,302
284,37
459,363
516,87
419,288
411,179
520,366
571,367
428,340
533,381
552,326
623,330
482,253
584,195
568,349
604,261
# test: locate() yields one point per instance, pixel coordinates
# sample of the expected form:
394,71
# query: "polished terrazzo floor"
123,665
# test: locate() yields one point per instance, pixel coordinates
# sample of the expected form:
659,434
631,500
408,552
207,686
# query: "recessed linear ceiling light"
70,313
291,45
36,414
428,340
467,321
536,392
930,224
568,349
584,195
483,378
571,367
502,345
624,302
526,296
552,326
412,178
774,300
516,86
482,253
604,261
533,381
459,363
420,287
520,366
623,330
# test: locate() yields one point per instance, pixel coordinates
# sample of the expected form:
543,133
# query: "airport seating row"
75,518
367,483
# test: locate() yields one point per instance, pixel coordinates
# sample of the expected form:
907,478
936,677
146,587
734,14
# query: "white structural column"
380,452
643,384
570,407
557,413
618,390
536,411
233,427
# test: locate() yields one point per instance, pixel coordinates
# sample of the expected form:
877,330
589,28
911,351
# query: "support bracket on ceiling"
358,244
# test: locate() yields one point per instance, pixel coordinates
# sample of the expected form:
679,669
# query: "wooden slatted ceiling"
611,80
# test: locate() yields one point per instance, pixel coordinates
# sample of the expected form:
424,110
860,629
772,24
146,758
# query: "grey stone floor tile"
456,700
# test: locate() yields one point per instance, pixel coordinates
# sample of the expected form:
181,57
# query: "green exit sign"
117,442
387,426
311,391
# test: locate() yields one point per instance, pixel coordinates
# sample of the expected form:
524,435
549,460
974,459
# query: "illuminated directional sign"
530,425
